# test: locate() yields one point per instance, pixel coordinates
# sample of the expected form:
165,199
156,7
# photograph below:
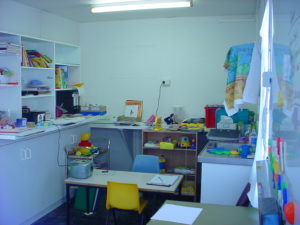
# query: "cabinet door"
32,180
32,176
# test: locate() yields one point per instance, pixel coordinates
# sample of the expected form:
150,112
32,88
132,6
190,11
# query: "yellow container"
166,145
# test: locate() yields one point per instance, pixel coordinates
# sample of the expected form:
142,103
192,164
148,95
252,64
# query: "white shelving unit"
11,86
9,92
69,56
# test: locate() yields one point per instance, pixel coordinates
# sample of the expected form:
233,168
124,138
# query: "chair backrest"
146,164
122,196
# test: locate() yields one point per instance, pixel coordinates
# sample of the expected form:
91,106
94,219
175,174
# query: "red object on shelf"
210,116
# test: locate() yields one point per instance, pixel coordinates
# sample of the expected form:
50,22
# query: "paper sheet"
163,180
177,214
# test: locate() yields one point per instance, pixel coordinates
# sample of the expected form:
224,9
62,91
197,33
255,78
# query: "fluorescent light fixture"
141,5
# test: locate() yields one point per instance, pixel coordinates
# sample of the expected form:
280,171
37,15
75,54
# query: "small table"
99,179
217,214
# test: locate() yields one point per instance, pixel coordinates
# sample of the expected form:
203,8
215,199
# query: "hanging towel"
237,64
252,87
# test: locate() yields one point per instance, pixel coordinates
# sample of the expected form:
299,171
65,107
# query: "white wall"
20,19
127,59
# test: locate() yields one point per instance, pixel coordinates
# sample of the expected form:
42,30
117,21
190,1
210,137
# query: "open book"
163,180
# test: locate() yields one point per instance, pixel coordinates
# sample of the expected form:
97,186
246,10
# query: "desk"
217,215
99,178
126,142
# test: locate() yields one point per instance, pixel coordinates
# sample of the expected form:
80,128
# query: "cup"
245,150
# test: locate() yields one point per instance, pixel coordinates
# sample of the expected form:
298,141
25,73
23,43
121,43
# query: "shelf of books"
29,72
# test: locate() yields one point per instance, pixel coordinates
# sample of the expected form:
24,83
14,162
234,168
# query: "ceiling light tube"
136,6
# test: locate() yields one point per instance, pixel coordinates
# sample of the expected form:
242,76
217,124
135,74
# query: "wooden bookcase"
185,157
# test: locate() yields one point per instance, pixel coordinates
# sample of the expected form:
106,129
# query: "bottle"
253,137
247,134
162,164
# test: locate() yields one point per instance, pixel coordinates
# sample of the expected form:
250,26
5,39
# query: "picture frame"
133,109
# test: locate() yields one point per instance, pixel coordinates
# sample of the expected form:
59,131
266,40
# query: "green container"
80,198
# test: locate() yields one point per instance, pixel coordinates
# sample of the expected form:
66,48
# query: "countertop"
37,131
205,157
96,124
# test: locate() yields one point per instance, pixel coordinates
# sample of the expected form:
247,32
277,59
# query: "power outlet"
166,82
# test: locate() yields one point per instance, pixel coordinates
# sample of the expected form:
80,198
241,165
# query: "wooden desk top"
99,178
217,215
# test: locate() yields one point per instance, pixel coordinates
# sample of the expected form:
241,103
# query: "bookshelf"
16,88
10,88
177,157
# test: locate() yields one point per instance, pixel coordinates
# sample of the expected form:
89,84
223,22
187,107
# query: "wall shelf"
37,68
37,96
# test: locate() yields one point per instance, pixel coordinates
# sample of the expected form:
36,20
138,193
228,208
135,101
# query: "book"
36,59
60,77
163,180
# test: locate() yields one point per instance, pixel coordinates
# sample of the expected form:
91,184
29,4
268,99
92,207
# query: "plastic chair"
146,164
123,196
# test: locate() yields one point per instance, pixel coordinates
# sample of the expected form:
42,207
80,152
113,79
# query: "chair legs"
108,217
140,216
114,216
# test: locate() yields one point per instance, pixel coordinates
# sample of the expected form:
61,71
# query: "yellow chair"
123,196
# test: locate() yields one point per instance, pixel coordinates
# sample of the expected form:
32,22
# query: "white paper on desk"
177,214
163,180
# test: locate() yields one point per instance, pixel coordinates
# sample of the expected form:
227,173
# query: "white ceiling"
79,10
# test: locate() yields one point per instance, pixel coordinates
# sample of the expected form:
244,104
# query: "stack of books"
33,58
9,48
61,75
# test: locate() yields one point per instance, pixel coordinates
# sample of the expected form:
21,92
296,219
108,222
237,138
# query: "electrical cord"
158,100
58,148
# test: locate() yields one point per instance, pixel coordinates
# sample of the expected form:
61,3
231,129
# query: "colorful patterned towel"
237,64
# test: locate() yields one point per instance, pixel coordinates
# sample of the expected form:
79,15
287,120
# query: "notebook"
163,180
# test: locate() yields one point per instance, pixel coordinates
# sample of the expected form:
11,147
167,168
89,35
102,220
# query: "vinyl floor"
58,216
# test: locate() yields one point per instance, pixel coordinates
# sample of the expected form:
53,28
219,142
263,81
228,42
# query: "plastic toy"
169,119
184,142
193,144
84,146
289,211
157,124
222,151
85,140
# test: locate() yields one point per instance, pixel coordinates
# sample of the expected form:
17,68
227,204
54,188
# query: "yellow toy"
184,142
84,146
157,124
